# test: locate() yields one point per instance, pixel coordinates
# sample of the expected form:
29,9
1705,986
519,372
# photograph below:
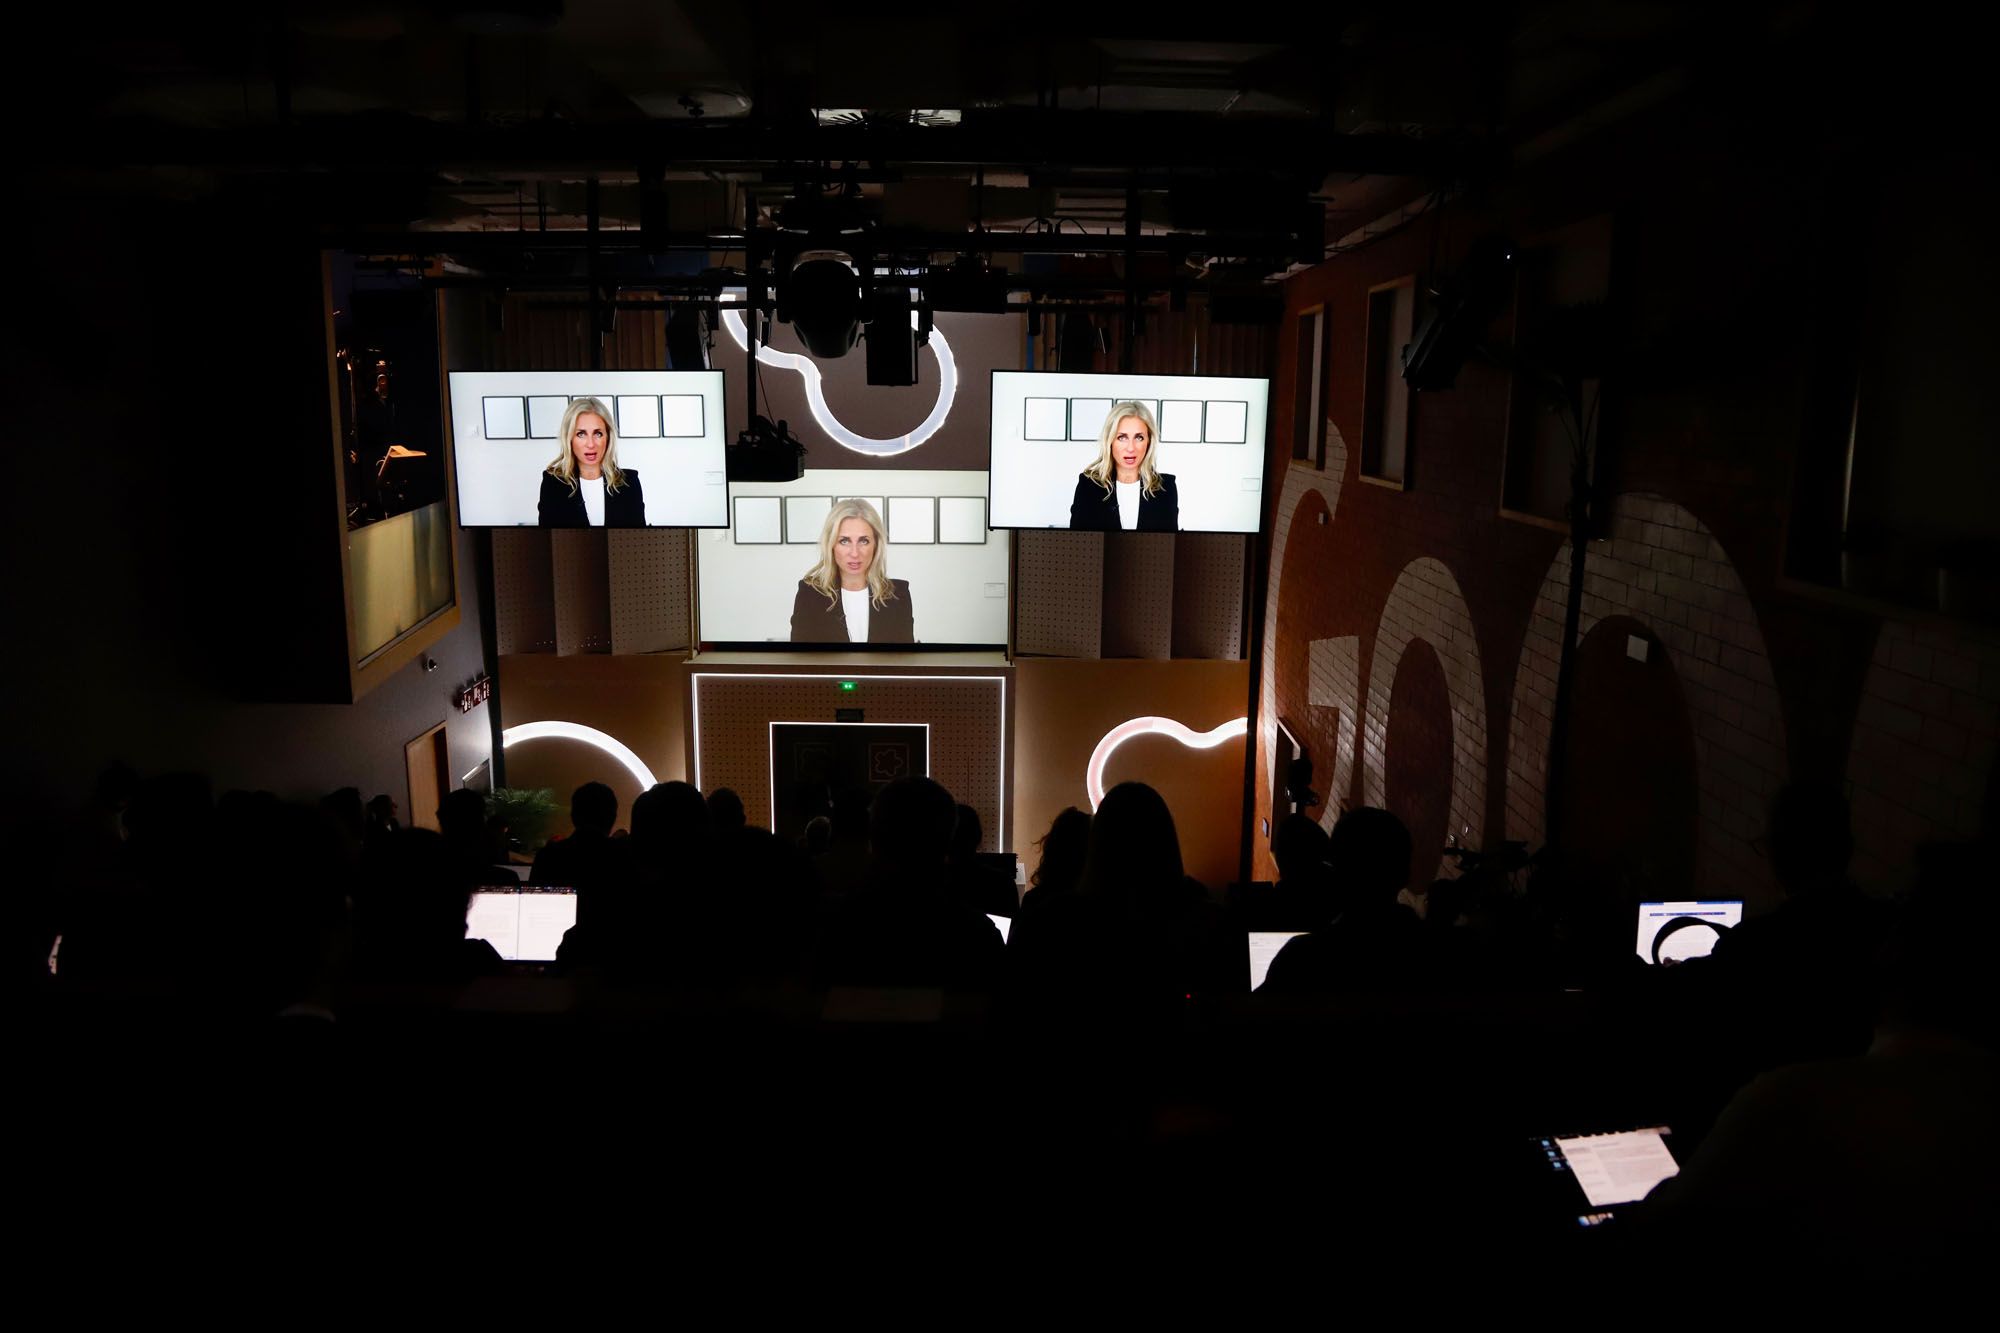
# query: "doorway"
814,765
430,777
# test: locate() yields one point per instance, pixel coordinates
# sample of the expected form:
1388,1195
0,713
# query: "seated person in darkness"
478,859
410,903
1138,935
589,855
979,886
848,597
725,810
1800,982
1373,943
1302,899
1877,1163
585,487
904,928
1123,490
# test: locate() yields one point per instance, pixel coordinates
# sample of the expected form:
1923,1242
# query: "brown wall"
1705,407
639,700
1063,708
964,715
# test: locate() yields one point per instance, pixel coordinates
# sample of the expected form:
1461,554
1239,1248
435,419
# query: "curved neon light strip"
1093,776
816,395
576,731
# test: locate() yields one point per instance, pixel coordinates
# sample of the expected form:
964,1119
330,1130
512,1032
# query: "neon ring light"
576,731
1093,776
816,394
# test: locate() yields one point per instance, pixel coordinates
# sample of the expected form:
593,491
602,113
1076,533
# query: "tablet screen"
1676,932
1614,1168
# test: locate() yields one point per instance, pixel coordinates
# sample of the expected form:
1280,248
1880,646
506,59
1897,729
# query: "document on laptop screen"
1619,1168
545,919
522,926
496,918
1264,946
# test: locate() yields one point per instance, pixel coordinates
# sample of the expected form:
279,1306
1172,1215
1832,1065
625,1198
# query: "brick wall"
1703,417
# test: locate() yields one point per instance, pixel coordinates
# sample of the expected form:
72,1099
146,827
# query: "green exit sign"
847,687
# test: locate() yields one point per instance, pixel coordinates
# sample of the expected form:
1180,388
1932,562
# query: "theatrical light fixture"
576,731
820,297
822,415
1093,773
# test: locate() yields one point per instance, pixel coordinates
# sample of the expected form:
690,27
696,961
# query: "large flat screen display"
589,448
1114,452
882,542
851,556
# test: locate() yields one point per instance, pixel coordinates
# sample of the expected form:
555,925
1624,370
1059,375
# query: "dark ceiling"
1240,134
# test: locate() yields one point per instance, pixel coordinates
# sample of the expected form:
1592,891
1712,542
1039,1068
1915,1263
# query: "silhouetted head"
345,808
1134,853
1810,839
462,817
409,903
593,808
1299,846
819,834
1062,849
725,810
671,814
966,833
1369,850
910,824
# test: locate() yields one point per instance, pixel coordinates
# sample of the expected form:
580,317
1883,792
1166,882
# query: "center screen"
883,541
856,555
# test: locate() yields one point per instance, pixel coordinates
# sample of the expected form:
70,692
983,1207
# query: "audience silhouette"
1372,942
305,943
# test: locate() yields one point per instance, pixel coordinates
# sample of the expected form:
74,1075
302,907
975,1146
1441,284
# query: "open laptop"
1264,946
1597,1176
523,923
1676,932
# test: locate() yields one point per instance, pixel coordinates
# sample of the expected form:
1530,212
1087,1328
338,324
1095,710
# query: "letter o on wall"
1663,567
1426,604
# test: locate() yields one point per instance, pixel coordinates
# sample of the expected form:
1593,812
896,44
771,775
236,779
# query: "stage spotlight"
821,299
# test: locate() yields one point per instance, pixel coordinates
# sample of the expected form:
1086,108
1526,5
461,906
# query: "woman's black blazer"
559,507
1093,509
815,620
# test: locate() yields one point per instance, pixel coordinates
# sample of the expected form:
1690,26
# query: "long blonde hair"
825,576
565,465
1104,471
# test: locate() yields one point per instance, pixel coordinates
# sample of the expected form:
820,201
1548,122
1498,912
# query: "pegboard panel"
582,590
649,568
1208,594
1139,595
1058,593
733,714
524,608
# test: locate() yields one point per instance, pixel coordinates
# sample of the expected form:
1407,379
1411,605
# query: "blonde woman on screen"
585,487
1123,490
848,597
